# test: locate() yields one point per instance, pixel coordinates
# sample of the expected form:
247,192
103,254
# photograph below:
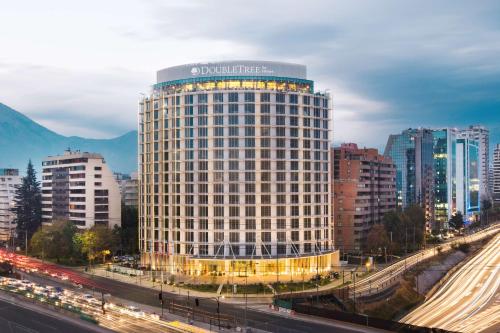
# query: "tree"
415,228
128,231
56,241
457,221
98,242
393,225
486,207
377,239
28,205
406,229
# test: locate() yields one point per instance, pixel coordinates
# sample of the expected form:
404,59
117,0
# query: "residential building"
9,180
80,187
364,191
481,135
412,153
468,178
235,171
129,188
496,174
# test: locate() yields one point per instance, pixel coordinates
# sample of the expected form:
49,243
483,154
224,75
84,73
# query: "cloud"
389,65
82,103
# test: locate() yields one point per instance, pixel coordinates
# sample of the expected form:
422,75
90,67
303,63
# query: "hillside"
22,139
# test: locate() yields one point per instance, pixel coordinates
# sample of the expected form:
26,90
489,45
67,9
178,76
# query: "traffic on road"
470,300
88,306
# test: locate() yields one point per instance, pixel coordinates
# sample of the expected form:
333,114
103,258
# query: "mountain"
22,139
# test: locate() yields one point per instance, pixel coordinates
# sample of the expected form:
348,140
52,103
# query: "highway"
470,300
44,273
389,275
15,318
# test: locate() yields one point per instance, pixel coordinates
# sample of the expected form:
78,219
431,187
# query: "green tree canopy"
28,204
98,242
55,241
377,239
406,229
457,221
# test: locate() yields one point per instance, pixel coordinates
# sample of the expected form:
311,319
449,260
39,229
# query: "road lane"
389,275
470,300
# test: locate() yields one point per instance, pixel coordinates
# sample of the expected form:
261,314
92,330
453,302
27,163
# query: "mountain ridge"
21,139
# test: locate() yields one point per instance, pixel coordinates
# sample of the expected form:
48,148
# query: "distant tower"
482,136
496,174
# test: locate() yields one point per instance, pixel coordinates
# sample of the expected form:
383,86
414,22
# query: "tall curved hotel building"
235,171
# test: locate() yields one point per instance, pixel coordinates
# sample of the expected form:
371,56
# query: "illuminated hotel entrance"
288,268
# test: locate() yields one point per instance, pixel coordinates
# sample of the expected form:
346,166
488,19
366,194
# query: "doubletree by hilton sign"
232,68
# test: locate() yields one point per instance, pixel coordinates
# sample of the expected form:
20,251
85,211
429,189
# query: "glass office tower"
412,153
445,176
235,171
468,179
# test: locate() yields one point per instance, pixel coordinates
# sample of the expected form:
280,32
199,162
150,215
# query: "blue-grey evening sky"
78,66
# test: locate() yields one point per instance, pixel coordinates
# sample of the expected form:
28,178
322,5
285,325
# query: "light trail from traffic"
388,276
470,300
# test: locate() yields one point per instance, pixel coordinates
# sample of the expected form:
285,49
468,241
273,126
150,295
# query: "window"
233,120
219,120
265,97
218,108
233,97
234,224
188,99
218,97
249,108
280,98
233,108
249,97
202,98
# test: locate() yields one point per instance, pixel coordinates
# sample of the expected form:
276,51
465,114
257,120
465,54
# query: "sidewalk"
145,282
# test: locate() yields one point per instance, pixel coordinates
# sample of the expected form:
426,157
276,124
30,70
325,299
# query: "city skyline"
434,69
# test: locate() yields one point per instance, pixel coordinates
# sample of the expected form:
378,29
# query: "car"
134,311
90,299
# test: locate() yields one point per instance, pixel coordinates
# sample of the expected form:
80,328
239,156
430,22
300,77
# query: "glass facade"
412,153
467,178
235,171
445,176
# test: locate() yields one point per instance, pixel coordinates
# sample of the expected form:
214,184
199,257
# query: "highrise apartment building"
481,135
9,180
412,153
80,187
496,174
364,191
235,171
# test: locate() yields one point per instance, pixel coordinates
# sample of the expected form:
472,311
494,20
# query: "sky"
78,67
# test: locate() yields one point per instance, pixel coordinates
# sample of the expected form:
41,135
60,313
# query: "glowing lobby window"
280,86
261,85
271,85
233,84
248,84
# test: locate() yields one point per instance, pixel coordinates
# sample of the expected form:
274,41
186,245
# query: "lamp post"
246,293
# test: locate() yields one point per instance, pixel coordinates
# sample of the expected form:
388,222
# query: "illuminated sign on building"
232,68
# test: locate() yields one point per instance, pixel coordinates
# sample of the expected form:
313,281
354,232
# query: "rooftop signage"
232,68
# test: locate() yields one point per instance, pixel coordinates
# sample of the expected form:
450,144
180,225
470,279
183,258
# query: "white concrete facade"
81,188
234,168
9,180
